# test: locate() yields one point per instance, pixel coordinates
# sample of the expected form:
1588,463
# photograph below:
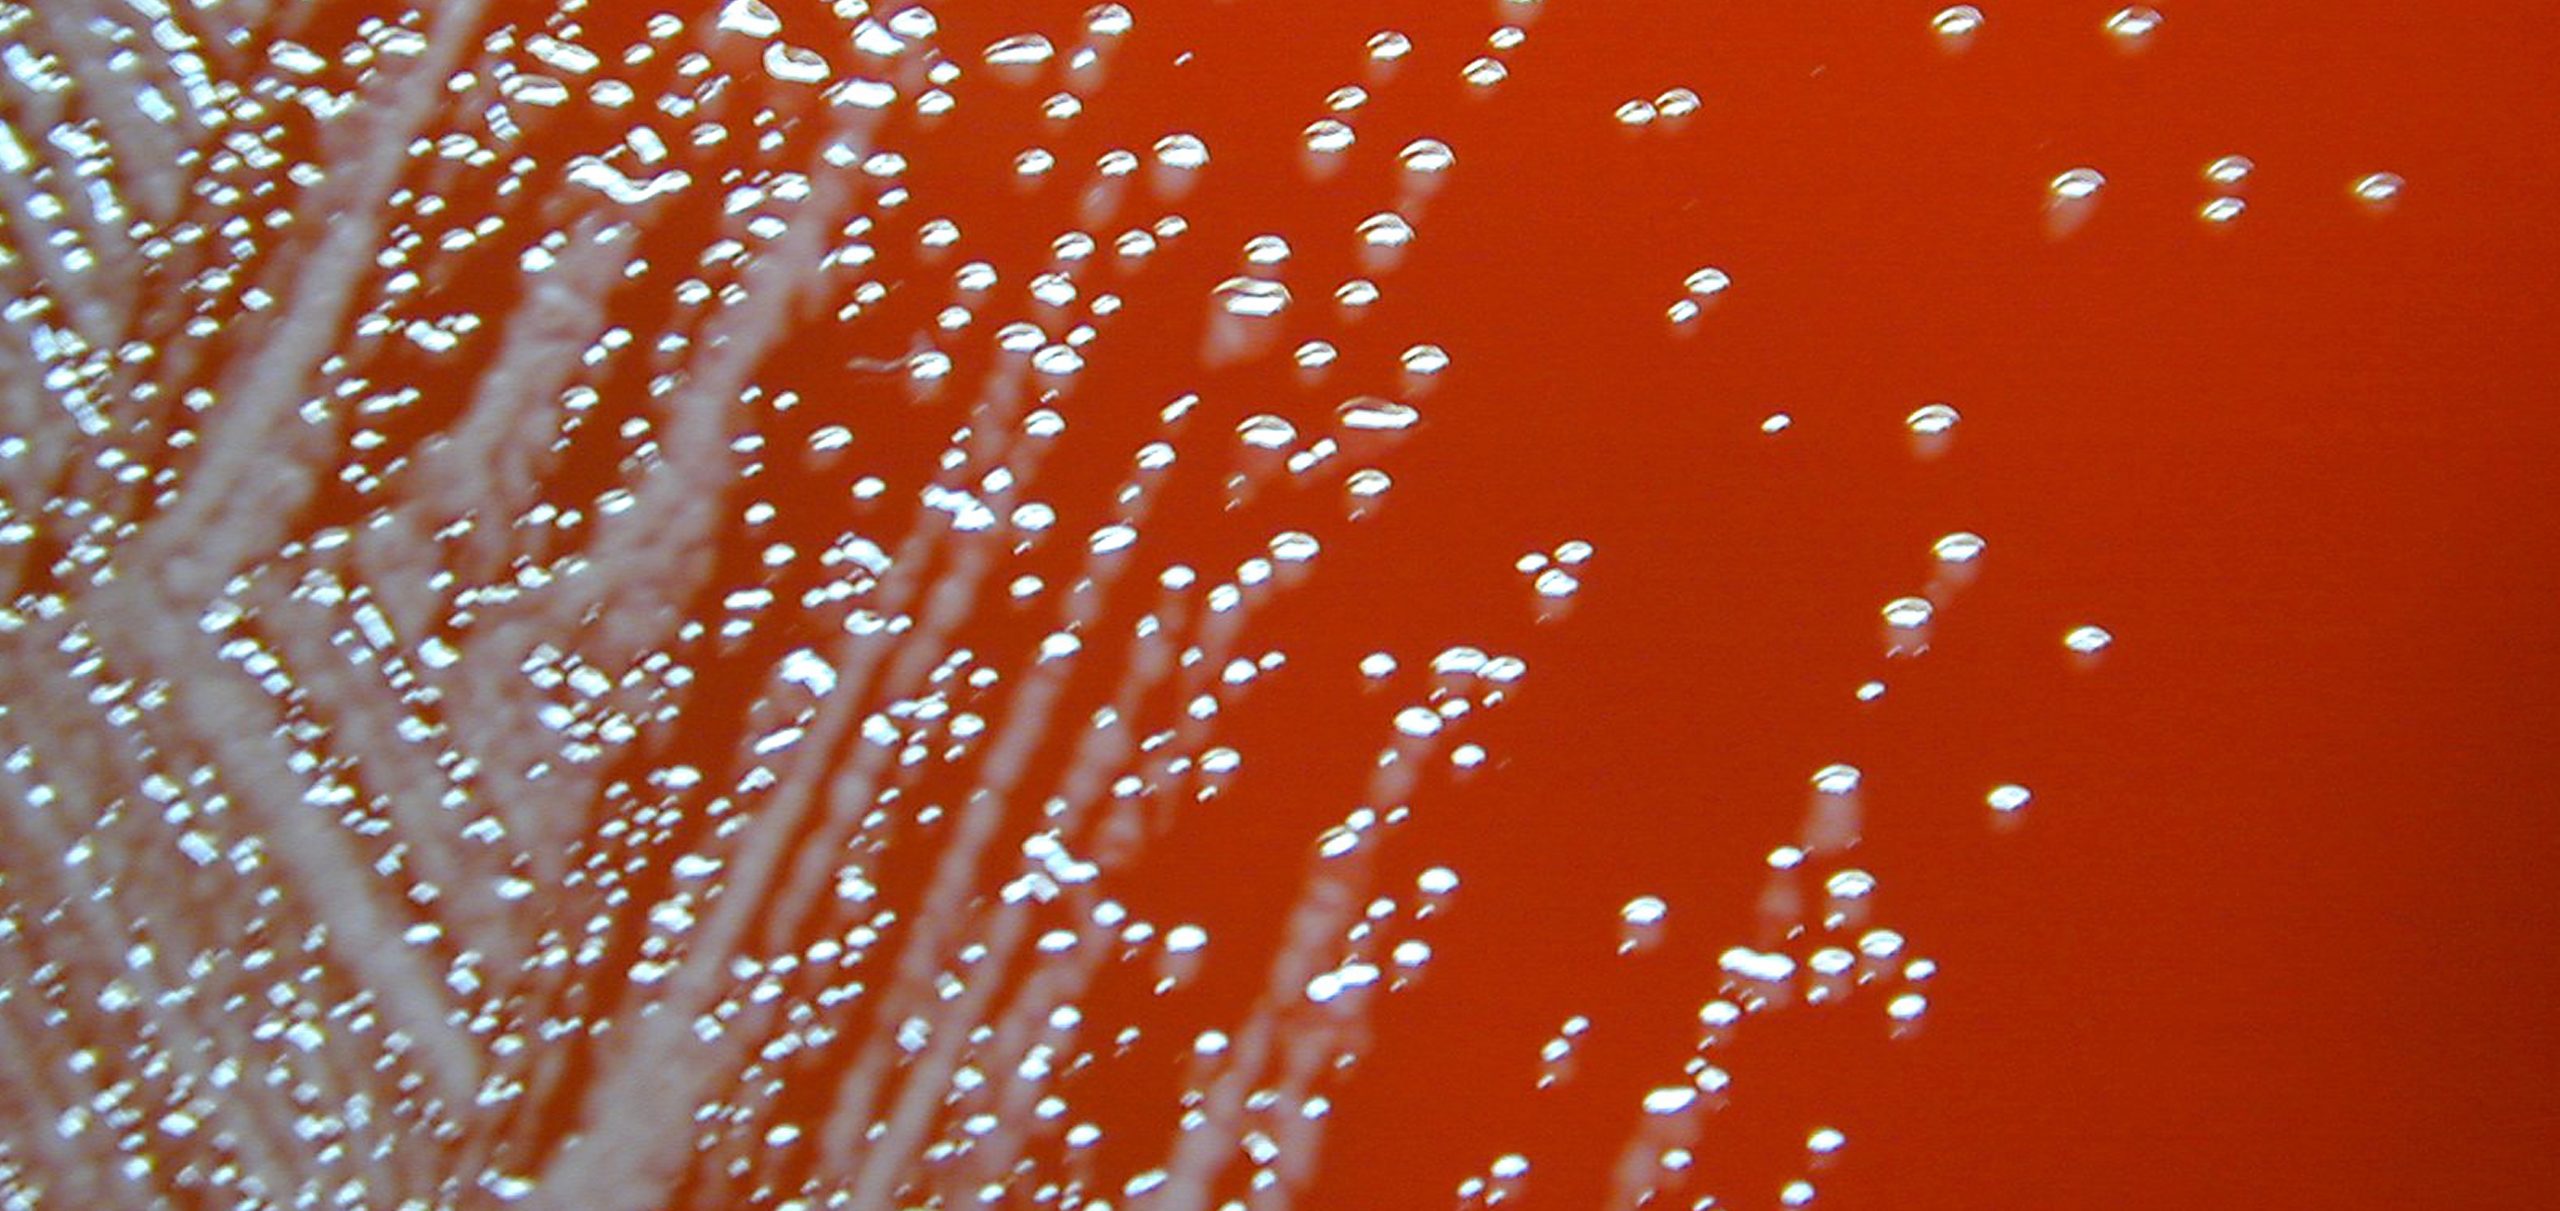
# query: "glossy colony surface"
1186,606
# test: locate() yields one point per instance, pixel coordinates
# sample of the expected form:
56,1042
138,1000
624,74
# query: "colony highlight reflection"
629,609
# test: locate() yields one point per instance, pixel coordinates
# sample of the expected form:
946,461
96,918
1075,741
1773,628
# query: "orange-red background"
2277,930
